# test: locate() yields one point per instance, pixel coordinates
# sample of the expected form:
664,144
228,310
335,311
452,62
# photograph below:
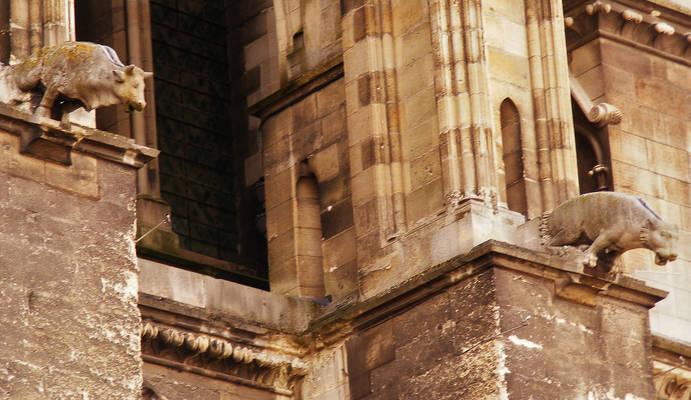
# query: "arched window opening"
513,157
310,272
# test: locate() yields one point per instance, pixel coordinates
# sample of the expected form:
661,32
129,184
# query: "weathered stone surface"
69,287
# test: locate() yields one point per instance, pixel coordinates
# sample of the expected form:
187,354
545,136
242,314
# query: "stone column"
549,75
69,283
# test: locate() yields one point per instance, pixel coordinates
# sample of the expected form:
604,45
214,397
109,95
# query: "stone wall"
638,67
308,139
69,285
171,384
500,322
506,333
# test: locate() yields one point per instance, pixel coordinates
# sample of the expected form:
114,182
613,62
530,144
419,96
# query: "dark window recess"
513,157
194,128
593,156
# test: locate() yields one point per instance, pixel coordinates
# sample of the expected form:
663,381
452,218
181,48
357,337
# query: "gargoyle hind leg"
43,109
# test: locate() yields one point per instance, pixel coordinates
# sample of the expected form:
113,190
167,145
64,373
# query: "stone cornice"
643,25
220,358
47,139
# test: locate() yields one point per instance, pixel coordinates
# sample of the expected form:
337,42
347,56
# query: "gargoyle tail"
545,231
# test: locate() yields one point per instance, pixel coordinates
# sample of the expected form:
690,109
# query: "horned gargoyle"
75,74
609,223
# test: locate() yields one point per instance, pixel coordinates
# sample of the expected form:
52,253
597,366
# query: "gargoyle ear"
147,74
129,69
119,75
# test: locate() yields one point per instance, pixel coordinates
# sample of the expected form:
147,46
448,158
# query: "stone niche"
70,323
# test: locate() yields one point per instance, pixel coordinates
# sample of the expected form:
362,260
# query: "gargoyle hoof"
590,260
42,112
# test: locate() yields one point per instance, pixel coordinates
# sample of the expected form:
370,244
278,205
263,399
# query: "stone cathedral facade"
341,199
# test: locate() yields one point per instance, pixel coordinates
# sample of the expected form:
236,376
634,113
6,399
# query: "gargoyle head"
661,238
129,87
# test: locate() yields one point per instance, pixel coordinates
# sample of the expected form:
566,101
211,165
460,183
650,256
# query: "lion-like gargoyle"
609,223
77,74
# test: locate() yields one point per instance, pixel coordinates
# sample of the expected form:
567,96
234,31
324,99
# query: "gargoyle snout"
662,258
136,105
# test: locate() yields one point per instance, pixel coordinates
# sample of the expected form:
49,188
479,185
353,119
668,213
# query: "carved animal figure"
83,74
609,222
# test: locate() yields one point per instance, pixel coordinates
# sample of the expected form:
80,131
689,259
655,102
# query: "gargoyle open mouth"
660,260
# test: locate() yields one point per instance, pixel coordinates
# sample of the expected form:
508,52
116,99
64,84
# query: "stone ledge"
570,283
44,138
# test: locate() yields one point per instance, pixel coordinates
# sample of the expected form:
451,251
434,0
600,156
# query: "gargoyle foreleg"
43,109
600,243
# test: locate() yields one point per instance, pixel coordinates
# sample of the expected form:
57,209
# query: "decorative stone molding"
206,355
669,386
663,32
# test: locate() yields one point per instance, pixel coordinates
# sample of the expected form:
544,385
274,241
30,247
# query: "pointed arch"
512,155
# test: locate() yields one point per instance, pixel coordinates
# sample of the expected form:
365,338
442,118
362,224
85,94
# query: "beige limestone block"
417,108
279,187
363,187
283,277
504,34
256,52
425,169
280,219
627,177
425,201
510,9
333,126
414,45
339,249
668,160
12,162
277,127
416,76
676,191
584,58
420,139
325,164
662,96
628,148
81,177
330,98
408,13
508,67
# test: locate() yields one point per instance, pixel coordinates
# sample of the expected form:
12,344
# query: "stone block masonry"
68,273
500,324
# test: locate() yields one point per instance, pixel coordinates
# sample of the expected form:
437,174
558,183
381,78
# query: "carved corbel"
601,114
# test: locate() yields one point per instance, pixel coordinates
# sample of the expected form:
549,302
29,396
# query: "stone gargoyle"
73,75
609,224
